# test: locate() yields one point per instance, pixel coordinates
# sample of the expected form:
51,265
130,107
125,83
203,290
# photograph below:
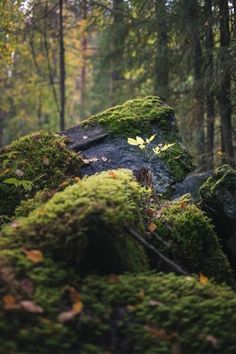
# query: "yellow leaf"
152,227
132,141
203,279
139,140
152,138
34,256
77,307
8,300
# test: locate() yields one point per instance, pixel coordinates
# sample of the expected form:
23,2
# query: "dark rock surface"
191,185
102,149
218,199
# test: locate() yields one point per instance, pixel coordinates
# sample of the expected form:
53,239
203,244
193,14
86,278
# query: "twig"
175,267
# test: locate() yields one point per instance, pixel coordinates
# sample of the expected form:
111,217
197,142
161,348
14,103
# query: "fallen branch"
175,267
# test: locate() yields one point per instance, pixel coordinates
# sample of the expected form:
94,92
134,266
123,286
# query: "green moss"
144,313
190,240
28,205
41,158
86,221
135,117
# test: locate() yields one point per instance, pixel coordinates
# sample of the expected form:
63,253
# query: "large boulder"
218,199
102,141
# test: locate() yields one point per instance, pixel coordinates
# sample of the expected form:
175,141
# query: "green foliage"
37,161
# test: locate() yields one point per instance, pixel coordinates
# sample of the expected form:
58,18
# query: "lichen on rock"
42,159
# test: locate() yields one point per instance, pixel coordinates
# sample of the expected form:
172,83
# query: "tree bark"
62,67
84,44
209,74
224,87
198,90
161,83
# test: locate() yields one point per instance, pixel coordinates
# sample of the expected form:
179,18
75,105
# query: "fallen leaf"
34,256
150,212
104,158
66,316
203,279
183,205
113,279
213,341
30,306
15,224
84,137
74,295
77,307
154,303
112,174
152,227
46,161
9,302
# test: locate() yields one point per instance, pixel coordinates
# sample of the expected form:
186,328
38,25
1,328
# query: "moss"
41,158
135,117
189,239
144,313
86,221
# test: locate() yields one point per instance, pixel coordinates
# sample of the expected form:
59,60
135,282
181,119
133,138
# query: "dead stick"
175,267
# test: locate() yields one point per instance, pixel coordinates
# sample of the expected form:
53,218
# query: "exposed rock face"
102,140
218,199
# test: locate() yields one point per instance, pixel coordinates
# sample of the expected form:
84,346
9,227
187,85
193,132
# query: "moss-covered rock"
36,161
84,225
218,199
136,117
102,139
188,238
124,314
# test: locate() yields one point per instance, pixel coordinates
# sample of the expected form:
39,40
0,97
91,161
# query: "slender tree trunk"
223,92
1,128
84,45
161,83
119,32
62,67
198,88
209,73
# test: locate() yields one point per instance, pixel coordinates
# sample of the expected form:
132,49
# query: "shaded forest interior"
63,60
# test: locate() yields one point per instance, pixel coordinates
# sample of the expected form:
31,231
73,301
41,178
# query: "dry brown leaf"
34,256
150,212
213,341
77,307
152,227
9,302
46,161
112,174
203,279
183,205
113,278
30,306
74,295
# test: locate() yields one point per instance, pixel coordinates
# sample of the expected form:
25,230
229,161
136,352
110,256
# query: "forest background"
64,60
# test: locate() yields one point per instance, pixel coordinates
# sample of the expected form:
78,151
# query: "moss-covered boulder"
218,199
117,314
102,141
84,226
34,162
185,234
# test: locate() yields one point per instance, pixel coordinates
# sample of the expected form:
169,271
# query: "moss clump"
189,239
219,192
41,158
135,117
127,314
85,222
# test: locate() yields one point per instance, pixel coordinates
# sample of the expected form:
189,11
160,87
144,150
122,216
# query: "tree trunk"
224,87
161,83
119,32
209,72
198,81
83,69
1,128
62,67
